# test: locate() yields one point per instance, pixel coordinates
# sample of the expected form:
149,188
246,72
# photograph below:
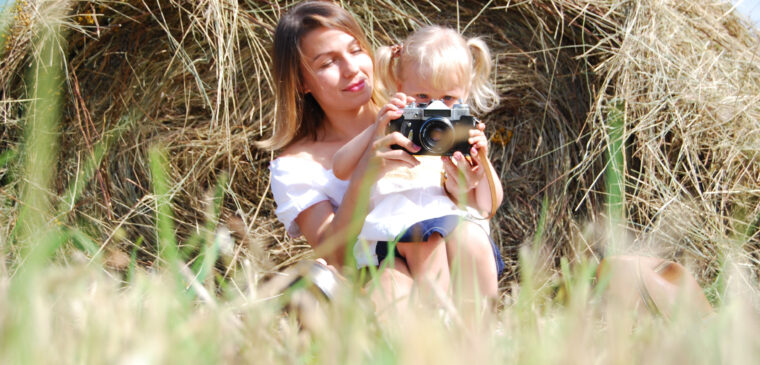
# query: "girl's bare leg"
428,264
473,266
395,286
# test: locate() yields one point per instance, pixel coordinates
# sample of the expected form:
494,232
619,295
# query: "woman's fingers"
387,113
399,139
383,147
401,100
384,143
394,158
398,100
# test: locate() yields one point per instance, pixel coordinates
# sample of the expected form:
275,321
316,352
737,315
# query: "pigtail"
386,60
483,97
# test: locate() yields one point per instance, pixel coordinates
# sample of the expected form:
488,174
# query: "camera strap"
491,183
483,161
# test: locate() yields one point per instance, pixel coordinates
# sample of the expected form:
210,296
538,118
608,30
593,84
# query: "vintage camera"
435,127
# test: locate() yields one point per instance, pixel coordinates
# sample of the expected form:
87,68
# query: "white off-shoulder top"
297,184
398,199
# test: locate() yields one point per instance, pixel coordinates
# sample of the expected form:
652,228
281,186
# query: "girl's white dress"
399,199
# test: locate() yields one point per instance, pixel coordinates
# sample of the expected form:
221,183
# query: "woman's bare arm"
348,156
329,230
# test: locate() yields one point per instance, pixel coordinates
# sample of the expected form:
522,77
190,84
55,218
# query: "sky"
750,8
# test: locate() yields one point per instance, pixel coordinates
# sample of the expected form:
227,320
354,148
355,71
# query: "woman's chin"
356,100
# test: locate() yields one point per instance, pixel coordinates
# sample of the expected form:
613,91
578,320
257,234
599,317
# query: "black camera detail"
435,127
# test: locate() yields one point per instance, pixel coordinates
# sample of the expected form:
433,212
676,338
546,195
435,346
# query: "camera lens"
437,135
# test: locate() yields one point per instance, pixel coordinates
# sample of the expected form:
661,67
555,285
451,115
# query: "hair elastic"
396,50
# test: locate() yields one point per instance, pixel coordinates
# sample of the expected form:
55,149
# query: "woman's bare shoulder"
316,151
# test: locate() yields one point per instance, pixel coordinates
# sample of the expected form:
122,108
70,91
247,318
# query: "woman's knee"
653,283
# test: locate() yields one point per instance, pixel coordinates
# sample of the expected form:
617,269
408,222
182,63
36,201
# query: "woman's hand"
380,152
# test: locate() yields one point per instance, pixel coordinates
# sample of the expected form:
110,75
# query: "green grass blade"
615,172
167,243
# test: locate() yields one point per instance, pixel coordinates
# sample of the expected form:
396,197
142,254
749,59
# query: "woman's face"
336,70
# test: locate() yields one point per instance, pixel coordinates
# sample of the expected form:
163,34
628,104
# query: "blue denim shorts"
421,231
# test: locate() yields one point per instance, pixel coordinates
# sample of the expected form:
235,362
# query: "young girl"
411,205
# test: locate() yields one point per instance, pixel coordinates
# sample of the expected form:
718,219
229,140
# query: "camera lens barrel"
437,135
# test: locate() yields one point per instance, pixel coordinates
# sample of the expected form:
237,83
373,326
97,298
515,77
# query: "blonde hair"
299,115
446,59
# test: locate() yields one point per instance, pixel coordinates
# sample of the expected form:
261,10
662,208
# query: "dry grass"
678,79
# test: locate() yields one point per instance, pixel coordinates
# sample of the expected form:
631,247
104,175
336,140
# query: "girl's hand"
462,174
478,141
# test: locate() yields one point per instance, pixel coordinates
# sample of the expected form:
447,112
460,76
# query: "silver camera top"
435,108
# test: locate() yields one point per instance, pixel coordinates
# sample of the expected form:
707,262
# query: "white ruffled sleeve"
296,186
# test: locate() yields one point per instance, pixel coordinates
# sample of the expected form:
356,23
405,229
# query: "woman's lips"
355,86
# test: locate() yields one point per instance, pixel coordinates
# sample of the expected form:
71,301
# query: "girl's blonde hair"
446,59
299,115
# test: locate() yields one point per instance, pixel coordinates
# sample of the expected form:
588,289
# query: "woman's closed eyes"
327,59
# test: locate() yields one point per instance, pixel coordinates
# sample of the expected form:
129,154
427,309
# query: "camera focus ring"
437,135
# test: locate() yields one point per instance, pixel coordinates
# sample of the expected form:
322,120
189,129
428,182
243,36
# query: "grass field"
136,225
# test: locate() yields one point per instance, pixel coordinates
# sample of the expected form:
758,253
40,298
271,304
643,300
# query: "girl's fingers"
452,172
471,173
461,164
478,139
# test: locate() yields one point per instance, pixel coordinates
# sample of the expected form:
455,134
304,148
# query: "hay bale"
192,76
688,76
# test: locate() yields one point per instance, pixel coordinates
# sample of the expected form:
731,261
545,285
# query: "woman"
325,96
323,65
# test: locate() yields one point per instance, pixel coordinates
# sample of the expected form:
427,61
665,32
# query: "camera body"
435,127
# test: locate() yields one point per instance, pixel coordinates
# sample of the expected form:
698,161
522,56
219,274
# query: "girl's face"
416,85
336,70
